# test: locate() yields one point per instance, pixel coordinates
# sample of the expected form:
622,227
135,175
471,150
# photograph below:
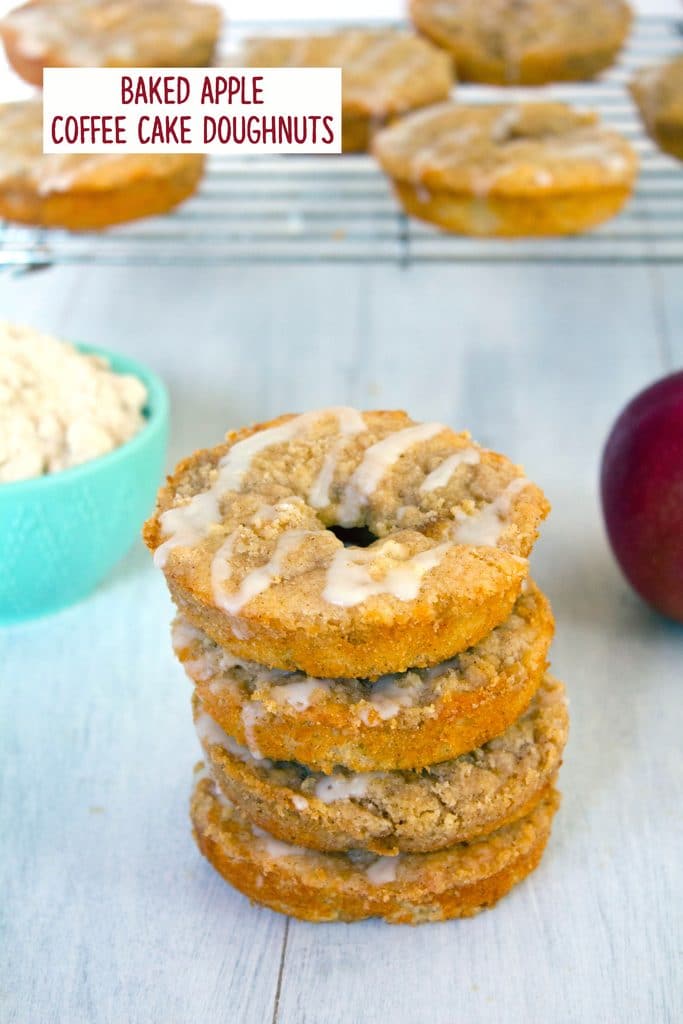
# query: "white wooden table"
109,912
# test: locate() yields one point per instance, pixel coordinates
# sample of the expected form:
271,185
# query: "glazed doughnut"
406,889
525,42
392,812
245,534
83,191
108,34
520,169
384,74
400,721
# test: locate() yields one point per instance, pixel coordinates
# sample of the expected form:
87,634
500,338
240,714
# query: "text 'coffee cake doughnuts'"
108,34
525,42
384,73
390,812
245,535
400,721
507,169
83,191
406,889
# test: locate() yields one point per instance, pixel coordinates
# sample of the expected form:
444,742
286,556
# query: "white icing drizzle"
61,174
188,524
441,476
210,732
242,754
387,83
256,581
387,697
377,459
484,527
226,660
359,54
349,581
221,687
298,695
274,847
251,714
436,155
203,668
300,802
375,48
507,119
199,669
543,178
350,422
183,634
383,870
220,796
330,788
183,637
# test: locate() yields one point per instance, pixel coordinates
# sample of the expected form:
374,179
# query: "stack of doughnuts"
369,659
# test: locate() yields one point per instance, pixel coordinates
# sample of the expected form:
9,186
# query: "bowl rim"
156,416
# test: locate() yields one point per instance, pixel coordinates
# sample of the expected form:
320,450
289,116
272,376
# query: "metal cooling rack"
340,209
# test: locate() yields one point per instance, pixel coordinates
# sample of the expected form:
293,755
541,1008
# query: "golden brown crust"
430,717
392,812
88,211
458,882
530,42
108,33
277,607
658,93
83,191
357,133
511,217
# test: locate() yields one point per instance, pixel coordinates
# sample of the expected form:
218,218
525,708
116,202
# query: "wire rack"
341,209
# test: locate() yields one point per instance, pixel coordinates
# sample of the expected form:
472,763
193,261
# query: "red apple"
641,482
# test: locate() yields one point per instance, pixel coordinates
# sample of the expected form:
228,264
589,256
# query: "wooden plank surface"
109,911
667,283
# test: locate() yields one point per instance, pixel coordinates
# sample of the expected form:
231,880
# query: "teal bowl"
61,534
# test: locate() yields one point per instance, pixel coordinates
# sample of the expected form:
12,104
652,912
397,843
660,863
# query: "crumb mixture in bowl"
60,407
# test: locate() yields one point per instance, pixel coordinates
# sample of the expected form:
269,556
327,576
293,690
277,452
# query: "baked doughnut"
401,721
388,812
407,889
526,42
83,191
245,535
384,73
507,169
658,92
108,34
